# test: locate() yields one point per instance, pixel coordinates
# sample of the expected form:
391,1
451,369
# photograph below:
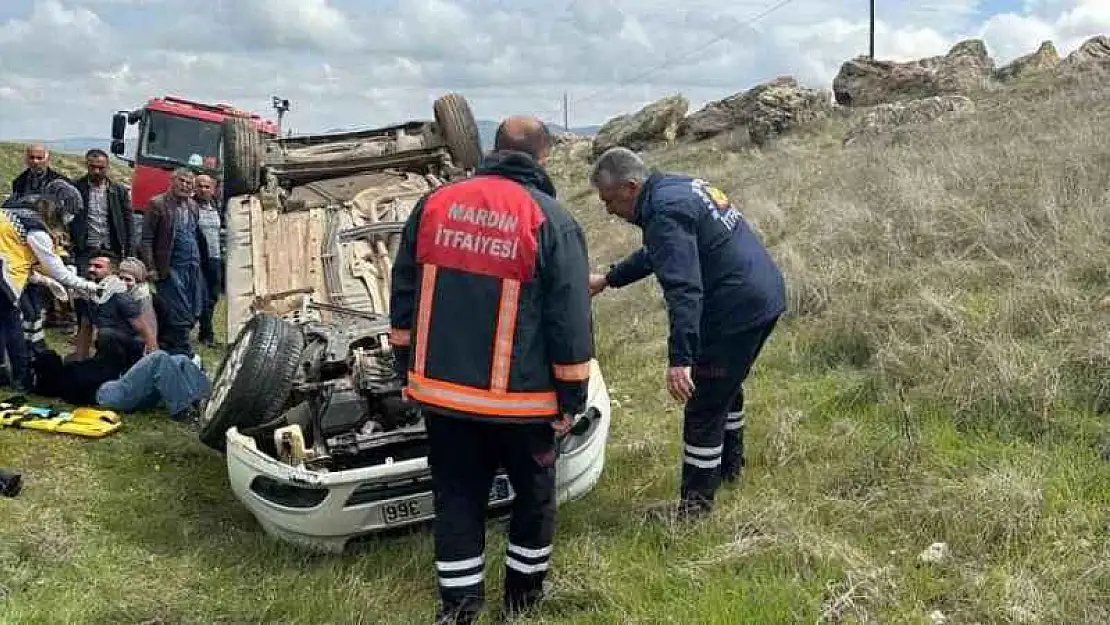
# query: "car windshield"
182,140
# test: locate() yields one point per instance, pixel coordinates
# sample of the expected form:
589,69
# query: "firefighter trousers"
464,457
713,427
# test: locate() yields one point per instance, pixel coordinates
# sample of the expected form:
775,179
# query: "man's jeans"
158,376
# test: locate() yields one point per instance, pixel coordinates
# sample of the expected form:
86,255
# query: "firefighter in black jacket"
491,323
724,295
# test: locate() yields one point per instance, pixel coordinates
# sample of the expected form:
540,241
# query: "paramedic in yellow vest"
29,227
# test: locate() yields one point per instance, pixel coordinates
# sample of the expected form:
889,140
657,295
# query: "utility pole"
871,47
281,105
566,112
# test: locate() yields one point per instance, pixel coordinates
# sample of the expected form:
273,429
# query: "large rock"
569,147
765,111
885,118
1045,58
1094,52
863,81
654,125
965,69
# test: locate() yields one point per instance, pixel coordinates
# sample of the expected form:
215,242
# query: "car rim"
227,375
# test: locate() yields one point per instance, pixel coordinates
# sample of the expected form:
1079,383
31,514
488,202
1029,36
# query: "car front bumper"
325,510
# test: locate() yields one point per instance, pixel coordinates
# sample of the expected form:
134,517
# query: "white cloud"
294,23
354,62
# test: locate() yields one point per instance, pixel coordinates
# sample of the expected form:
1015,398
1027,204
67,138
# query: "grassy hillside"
940,379
72,165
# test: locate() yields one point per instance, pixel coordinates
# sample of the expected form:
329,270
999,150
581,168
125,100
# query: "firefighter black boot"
464,612
732,459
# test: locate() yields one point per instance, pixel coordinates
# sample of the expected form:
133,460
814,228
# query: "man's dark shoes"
519,603
694,509
464,613
730,471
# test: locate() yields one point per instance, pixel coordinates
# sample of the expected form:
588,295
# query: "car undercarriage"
306,404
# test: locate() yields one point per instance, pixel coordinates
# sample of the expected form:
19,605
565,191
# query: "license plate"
423,505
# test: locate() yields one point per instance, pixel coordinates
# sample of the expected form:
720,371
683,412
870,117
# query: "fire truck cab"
176,132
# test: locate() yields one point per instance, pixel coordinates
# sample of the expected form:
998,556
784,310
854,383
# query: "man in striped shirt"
211,220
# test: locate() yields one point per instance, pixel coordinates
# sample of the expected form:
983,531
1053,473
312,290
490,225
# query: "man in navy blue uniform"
724,294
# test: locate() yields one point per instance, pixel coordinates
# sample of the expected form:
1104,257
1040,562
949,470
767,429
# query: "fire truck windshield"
180,140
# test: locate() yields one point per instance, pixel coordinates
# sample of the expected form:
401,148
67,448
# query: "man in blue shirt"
724,294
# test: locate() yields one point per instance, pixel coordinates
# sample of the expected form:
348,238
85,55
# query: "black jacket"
490,308
119,219
717,277
20,186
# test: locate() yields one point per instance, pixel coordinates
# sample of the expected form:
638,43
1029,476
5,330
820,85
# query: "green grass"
940,379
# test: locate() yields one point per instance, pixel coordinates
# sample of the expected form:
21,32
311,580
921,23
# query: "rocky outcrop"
569,146
654,125
1044,59
884,118
899,94
966,68
863,81
766,111
1094,52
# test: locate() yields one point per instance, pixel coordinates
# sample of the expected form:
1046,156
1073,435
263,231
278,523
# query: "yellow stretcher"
90,422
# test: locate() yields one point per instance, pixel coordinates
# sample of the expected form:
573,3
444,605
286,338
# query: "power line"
667,63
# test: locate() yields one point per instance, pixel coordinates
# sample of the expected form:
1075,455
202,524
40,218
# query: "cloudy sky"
67,65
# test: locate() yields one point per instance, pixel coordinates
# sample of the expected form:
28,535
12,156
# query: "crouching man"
123,333
724,295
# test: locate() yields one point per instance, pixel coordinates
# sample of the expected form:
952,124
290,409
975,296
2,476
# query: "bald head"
523,134
37,156
205,186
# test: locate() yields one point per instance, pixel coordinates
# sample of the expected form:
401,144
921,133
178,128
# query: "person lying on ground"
156,378
159,377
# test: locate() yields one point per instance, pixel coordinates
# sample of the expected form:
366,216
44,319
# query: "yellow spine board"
89,422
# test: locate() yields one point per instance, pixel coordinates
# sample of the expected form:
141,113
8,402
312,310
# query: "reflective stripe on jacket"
17,259
490,308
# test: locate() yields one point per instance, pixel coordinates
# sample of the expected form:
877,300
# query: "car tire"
459,130
242,157
253,381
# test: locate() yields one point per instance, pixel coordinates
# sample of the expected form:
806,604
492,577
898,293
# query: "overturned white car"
306,404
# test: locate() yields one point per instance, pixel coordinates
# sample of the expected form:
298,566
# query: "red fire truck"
175,132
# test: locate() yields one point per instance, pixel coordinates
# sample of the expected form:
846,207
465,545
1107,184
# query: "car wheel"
242,157
460,131
254,379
